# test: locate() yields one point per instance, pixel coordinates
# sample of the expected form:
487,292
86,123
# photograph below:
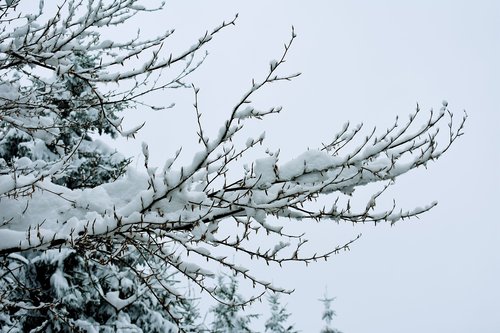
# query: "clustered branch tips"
179,216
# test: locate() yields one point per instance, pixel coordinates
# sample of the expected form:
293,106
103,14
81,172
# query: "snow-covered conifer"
328,314
53,119
63,291
229,316
191,319
277,321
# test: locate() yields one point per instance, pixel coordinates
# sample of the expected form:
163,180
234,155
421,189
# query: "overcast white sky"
366,61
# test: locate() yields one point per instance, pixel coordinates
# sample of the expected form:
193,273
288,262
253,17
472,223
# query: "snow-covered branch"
61,189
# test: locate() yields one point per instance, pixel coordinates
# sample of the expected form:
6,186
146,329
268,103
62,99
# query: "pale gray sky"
368,61
364,61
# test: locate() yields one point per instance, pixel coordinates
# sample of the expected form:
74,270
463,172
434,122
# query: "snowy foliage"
228,314
63,291
277,321
191,321
74,217
328,315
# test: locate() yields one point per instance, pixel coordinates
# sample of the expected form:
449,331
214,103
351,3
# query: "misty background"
362,61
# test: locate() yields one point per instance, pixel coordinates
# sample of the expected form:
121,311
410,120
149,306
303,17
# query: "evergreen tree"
328,314
276,323
72,115
190,315
228,316
64,290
